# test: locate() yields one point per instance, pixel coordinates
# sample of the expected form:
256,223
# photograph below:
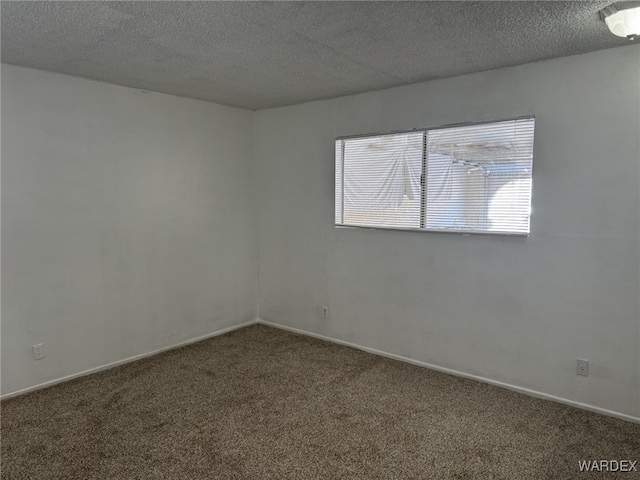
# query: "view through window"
473,178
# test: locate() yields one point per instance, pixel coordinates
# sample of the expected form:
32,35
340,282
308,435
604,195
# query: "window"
473,178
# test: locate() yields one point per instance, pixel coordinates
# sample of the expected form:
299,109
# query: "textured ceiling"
263,54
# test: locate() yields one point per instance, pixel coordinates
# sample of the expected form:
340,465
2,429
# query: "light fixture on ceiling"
623,19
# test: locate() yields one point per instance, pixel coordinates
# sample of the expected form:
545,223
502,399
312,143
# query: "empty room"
320,240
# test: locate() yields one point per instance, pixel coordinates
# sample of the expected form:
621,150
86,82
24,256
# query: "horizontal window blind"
474,178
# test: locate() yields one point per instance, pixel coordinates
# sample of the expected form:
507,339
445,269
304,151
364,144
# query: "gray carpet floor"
260,403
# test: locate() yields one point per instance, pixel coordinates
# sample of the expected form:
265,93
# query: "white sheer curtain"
381,180
391,171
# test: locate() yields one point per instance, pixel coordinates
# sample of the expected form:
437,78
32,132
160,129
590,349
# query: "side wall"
128,223
512,310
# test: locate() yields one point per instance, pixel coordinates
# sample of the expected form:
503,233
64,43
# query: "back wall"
513,310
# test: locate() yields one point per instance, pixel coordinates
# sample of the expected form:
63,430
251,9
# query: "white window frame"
424,182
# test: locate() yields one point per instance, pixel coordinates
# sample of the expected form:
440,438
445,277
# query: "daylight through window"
473,178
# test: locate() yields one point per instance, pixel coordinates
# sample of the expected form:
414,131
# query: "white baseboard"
526,391
508,386
122,362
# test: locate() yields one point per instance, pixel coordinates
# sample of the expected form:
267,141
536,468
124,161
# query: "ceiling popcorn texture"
259,55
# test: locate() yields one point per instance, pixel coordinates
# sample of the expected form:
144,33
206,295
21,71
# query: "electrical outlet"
582,367
325,312
38,351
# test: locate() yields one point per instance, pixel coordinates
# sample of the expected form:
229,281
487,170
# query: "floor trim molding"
107,366
457,373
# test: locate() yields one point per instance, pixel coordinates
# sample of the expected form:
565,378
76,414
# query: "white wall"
128,223
513,310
